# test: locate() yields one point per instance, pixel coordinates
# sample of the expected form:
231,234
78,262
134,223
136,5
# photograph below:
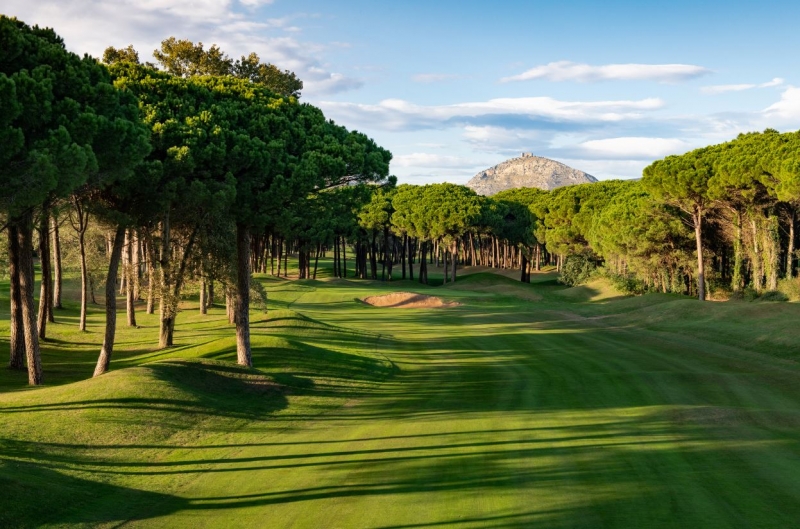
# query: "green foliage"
258,296
577,269
435,211
773,295
61,120
283,82
790,287
184,58
627,284
113,55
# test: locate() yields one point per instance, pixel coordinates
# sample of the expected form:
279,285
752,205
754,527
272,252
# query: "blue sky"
455,87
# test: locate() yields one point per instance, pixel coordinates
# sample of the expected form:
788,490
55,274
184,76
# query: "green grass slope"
521,406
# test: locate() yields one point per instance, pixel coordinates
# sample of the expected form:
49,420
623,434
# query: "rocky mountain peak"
527,171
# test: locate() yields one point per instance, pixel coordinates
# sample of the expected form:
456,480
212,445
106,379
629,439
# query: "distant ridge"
527,171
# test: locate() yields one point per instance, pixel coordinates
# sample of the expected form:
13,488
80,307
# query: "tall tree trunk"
243,353
404,253
523,270
737,281
165,302
444,262
203,294
136,264
336,266
210,298
104,359
772,253
412,247
344,257
151,258
125,263
756,261
229,295
130,271
697,218
286,260
385,253
17,332
273,251
46,291
316,260
280,256
59,281
172,294
373,260
455,260
390,255
790,246
423,264
84,275
27,285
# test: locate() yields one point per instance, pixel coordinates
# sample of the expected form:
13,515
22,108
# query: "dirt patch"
408,300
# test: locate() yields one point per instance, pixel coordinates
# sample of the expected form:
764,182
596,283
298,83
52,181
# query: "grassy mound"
494,284
599,289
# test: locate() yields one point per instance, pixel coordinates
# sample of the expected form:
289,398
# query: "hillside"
527,171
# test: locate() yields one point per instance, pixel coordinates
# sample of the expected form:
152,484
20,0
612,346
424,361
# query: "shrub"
258,295
773,295
577,270
627,284
791,288
749,294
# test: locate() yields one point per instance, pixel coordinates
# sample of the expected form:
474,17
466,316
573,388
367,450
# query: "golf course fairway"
512,405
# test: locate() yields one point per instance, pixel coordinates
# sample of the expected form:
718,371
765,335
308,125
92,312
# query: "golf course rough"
569,411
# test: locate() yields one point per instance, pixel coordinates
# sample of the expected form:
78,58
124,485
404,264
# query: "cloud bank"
398,114
722,88
586,73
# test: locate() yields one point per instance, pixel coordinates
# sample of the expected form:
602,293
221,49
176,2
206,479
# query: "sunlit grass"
524,405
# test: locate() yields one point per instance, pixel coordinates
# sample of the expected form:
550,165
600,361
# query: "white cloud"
608,169
785,112
424,159
255,3
722,88
505,140
634,148
775,82
586,73
421,167
89,26
398,114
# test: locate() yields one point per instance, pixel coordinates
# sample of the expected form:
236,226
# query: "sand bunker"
408,300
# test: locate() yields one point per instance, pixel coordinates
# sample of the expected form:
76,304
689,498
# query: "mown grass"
525,405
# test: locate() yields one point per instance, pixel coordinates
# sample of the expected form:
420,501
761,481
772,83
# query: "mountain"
527,171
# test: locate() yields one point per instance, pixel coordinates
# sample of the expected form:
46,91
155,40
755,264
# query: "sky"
454,87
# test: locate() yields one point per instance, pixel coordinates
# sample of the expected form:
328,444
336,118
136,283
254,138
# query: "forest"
203,169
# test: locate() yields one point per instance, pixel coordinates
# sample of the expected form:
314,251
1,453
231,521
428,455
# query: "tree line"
208,169
187,161
720,218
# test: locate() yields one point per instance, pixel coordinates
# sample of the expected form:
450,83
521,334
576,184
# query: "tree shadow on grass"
202,387
66,499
